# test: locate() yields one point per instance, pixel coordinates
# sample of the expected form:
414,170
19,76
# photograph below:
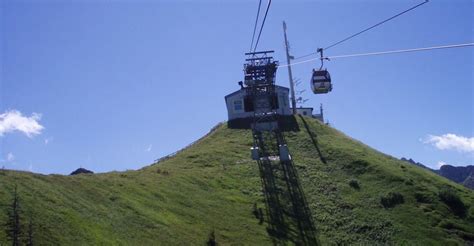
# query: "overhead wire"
255,25
263,23
384,53
367,29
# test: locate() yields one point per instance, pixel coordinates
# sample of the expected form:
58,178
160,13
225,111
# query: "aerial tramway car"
321,79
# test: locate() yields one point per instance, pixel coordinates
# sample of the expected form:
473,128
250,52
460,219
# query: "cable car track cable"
367,29
263,23
255,26
384,53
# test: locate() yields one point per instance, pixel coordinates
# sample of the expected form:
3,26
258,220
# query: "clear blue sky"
120,83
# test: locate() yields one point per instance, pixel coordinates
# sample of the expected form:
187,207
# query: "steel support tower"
260,70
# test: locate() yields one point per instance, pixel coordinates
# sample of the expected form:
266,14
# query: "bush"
211,241
357,167
392,199
452,200
422,198
354,184
258,213
450,225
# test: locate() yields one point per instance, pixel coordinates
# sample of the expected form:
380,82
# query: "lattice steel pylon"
261,96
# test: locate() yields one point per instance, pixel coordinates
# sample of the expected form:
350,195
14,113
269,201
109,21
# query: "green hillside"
336,191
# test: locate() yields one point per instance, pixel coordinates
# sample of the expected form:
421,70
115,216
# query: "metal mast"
288,60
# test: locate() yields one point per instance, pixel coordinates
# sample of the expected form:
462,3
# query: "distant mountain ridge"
469,181
415,163
460,174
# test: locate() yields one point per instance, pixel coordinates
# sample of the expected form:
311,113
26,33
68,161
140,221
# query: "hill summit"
336,190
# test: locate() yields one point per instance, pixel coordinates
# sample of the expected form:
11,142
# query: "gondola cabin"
321,82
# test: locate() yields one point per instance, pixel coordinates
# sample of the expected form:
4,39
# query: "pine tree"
30,232
13,227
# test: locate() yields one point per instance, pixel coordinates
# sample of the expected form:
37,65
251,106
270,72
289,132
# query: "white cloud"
149,148
451,142
10,157
13,120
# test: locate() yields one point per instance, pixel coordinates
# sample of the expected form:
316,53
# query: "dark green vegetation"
392,199
454,202
212,193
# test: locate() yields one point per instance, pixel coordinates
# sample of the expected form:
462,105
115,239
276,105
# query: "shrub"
211,241
113,198
354,184
450,225
255,210
422,198
460,229
357,167
391,199
452,200
260,214
162,172
409,182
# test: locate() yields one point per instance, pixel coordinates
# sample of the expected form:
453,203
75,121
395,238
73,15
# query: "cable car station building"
240,109
239,105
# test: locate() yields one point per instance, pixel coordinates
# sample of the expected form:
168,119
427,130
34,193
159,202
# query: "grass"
212,190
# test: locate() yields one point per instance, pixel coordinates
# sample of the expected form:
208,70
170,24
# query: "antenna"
300,92
297,82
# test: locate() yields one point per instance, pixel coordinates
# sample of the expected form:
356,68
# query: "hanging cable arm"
320,51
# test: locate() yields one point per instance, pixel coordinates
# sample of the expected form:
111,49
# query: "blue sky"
114,85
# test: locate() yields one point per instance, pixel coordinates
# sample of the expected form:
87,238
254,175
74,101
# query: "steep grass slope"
353,194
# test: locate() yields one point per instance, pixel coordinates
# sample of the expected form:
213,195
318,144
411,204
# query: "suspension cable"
385,53
263,23
255,25
367,29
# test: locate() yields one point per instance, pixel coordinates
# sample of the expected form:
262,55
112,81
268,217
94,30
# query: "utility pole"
288,59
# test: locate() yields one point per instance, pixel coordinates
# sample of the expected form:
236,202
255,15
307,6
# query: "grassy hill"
336,191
